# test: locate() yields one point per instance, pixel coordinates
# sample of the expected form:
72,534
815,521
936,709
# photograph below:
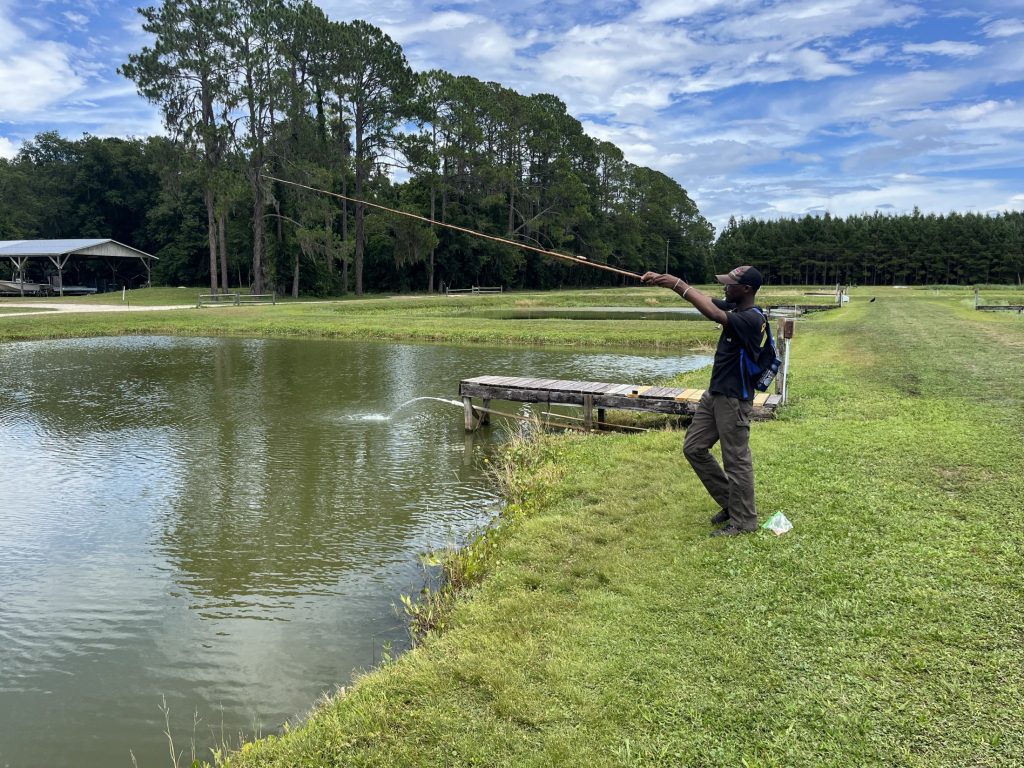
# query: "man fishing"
723,414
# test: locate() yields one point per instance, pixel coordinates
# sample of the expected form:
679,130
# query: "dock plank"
620,389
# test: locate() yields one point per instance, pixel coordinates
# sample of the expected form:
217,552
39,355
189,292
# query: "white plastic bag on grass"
778,524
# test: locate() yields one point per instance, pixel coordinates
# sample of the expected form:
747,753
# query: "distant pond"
225,525
592,313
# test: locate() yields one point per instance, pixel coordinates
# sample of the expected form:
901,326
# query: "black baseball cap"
742,276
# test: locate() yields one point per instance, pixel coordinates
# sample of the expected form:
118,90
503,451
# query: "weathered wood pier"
602,396
799,308
995,307
590,396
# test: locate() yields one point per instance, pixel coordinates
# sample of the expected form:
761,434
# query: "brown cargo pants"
725,420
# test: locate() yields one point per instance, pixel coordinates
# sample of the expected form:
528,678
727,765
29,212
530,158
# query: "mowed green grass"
886,629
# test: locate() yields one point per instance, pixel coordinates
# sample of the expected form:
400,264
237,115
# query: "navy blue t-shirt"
745,330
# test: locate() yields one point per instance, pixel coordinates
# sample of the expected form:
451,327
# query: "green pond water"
592,313
225,525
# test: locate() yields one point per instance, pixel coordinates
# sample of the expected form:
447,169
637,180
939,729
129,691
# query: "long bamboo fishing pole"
555,254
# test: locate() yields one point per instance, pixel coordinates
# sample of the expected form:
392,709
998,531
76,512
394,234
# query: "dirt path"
50,306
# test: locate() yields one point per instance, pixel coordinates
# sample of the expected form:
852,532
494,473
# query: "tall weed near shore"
528,463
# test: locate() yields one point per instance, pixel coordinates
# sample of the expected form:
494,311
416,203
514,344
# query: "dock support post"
785,334
600,417
485,416
467,406
588,411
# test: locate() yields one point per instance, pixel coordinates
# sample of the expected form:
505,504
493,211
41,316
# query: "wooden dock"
995,307
590,395
803,309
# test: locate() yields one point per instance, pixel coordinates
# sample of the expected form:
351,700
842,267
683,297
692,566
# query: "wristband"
676,286
687,290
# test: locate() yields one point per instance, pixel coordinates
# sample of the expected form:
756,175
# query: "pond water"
592,313
225,525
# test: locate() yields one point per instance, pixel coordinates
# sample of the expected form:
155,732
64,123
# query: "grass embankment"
886,629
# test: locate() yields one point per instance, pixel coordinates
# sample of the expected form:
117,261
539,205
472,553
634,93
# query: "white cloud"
460,42
945,48
984,115
798,23
492,43
899,194
34,77
34,74
77,20
438,22
803,158
720,157
864,55
764,67
1005,28
8,148
881,95
656,11
383,13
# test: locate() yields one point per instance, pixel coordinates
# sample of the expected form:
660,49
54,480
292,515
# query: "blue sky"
757,108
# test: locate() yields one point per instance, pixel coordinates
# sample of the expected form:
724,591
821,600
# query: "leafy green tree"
187,73
376,86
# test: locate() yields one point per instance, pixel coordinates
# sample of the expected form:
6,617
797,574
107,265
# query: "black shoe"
729,530
721,517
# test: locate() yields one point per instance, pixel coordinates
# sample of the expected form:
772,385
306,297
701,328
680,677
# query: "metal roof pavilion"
59,251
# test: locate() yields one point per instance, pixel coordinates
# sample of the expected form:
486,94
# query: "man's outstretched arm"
704,303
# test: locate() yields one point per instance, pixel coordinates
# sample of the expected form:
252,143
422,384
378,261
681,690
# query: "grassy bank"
886,629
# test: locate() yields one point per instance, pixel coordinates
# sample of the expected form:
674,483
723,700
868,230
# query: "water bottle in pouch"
767,376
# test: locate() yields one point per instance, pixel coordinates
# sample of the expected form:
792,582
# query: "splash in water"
417,399
388,417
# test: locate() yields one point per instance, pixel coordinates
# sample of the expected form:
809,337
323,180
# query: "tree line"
876,249
251,89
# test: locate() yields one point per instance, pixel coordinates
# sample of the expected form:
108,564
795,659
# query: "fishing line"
554,254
